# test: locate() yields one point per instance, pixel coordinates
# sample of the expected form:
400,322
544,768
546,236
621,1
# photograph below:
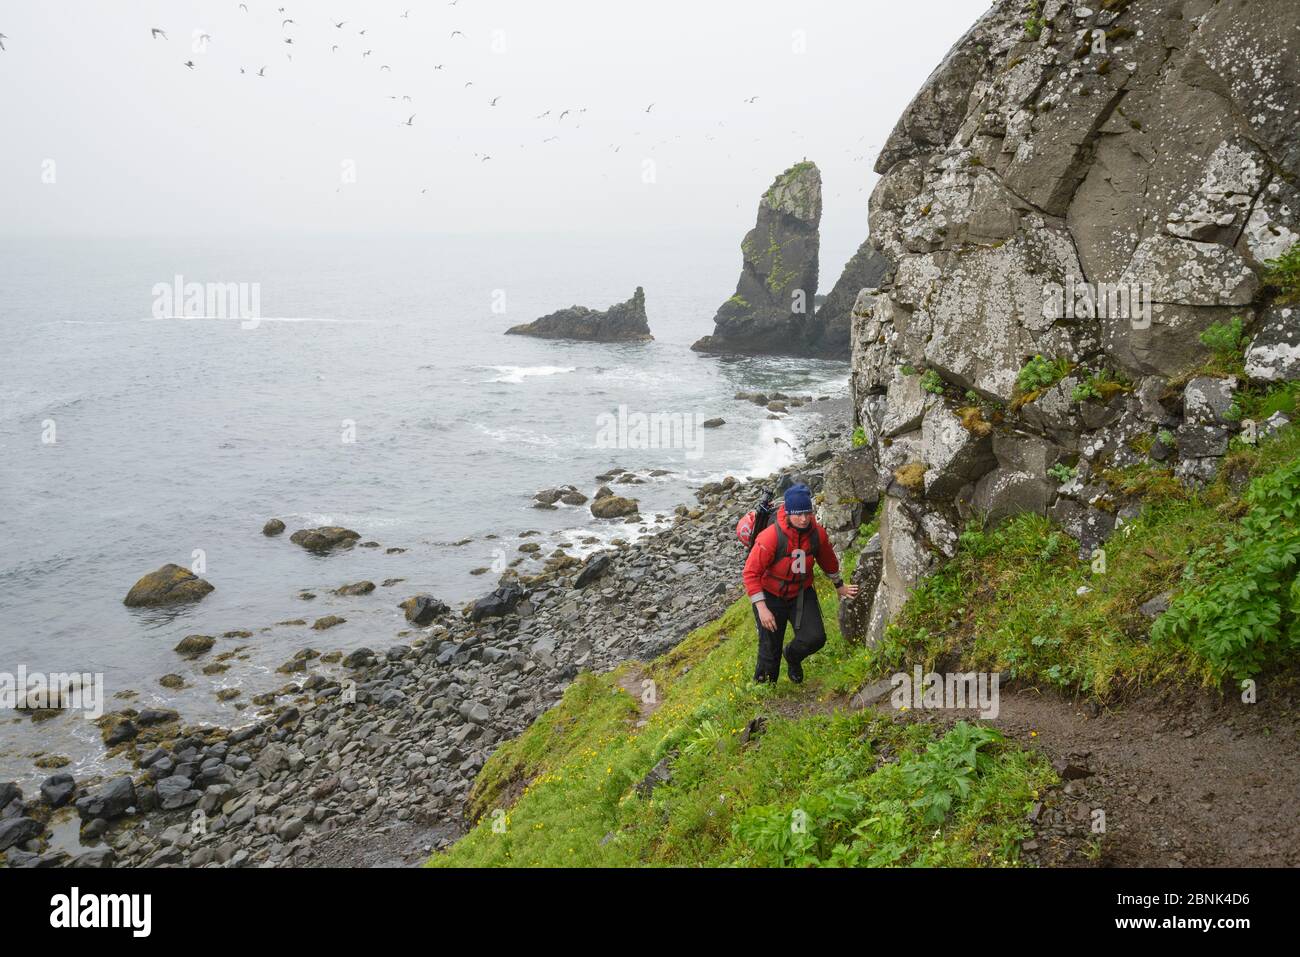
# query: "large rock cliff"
772,309
1069,202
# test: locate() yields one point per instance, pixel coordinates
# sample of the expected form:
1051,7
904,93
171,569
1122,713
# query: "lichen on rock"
1146,163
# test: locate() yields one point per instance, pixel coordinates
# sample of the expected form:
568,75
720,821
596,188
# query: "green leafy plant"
1282,275
706,737
859,437
1240,602
843,826
907,369
1100,387
944,773
1061,472
1034,23
1085,391
1166,438
1040,373
1225,339
931,382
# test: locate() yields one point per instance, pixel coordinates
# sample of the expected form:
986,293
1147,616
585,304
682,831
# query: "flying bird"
366,54
386,67
409,121
751,99
494,101
339,25
334,47
405,15
565,113
262,72
288,40
244,7
283,22
468,83
3,38
437,66
454,33
649,108
155,33
190,64
540,115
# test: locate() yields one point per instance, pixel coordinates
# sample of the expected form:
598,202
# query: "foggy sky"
136,143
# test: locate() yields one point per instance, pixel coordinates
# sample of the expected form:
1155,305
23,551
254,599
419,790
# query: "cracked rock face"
772,309
1098,195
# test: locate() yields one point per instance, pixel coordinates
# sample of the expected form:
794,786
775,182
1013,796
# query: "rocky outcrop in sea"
771,311
622,322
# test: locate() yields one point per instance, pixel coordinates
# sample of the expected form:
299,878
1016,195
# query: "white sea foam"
515,436
773,449
517,374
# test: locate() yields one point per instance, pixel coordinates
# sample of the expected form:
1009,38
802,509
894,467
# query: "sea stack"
623,322
832,335
772,309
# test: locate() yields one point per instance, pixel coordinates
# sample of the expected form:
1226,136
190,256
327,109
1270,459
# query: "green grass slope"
789,775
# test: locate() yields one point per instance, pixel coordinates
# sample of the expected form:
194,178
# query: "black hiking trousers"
808,637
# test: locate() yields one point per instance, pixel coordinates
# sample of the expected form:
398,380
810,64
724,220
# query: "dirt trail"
632,683
1185,779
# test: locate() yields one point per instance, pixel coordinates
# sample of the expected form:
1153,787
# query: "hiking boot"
793,668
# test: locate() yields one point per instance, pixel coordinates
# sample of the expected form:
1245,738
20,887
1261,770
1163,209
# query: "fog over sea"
376,392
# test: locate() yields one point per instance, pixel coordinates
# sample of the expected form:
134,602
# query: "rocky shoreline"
367,758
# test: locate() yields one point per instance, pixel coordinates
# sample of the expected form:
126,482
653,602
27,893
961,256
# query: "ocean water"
377,392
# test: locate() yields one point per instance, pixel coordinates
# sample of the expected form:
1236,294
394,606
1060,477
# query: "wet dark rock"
325,538
169,585
192,646
500,602
19,830
356,588
110,800
595,567
423,610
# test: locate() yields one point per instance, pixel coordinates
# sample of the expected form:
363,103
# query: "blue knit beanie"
798,499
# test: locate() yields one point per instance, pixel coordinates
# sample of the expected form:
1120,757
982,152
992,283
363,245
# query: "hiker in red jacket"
778,580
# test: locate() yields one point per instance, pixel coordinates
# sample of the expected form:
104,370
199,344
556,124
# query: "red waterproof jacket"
765,576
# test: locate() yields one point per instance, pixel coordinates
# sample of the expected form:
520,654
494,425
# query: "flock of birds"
337,31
